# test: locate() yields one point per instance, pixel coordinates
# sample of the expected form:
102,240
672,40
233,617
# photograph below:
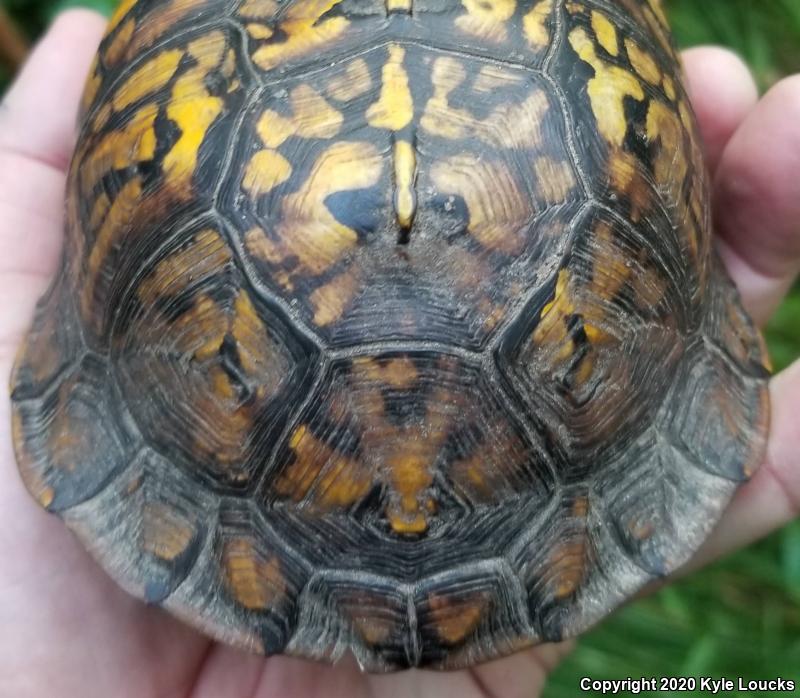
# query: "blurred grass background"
741,616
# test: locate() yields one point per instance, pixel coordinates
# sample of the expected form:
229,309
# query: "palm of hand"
66,626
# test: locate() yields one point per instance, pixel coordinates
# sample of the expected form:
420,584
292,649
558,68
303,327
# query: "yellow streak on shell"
304,32
395,107
607,89
644,64
605,32
534,24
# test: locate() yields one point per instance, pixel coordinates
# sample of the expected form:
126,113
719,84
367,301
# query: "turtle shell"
390,327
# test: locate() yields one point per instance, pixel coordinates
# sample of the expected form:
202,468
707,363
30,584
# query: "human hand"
67,630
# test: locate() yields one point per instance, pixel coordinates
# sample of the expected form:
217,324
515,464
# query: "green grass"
741,616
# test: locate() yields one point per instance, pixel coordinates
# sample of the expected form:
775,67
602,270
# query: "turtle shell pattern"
389,326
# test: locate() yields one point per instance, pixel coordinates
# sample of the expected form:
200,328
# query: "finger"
37,124
757,200
723,93
37,117
772,498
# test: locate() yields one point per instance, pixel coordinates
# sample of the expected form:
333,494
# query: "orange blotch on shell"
258,9
455,618
555,179
29,470
116,49
117,223
497,206
643,63
166,533
607,90
194,110
331,480
121,149
254,582
398,372
534,24
410,477
148,79
487,19
307,230
568,567
304,31
330,301
353,82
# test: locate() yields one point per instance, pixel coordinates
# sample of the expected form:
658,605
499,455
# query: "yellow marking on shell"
686,116
331,300
159,21
331,479
395,107
568,567
117,221
101,117
265,171
149,78
116,49
123,8
534,24
206,255
99,210
643,63
308,230
493,77
670,164
410,477
405,172
486,18
304,32
498,209
551,328
669,88
254,582
607,89
659,30
194,110
605,32
134,143
457,618
399,6
398,372
373,630
555,180
353,82
312,116
658,9
259,31
611,269
439,118
274,128
626,176
92,86
258,9
509,125
166,534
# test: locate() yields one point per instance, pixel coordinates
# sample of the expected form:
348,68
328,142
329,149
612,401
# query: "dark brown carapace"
389,326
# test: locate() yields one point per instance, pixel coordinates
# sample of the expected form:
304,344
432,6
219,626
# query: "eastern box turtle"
389,326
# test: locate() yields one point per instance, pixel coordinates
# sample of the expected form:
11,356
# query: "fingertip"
757,190
79,21
723,92
38,116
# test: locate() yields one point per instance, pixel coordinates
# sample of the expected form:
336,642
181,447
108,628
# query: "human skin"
67,630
